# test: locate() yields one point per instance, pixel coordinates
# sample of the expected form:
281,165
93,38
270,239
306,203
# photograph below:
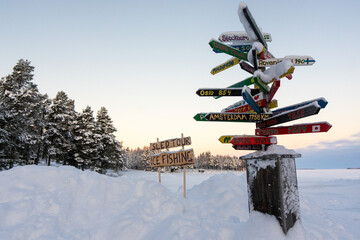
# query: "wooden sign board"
178,158
236,117
245,48
295,129
250,147
298,113
228,64
250,100
253,140
296,60
275,86
226,138
227,49
320,101
238,36
223,92
170,143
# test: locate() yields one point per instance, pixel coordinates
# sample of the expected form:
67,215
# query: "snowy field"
39,202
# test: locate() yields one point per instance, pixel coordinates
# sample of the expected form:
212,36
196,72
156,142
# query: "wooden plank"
274,87
225,138
296,60
321,101
227,49
265,88
295,129
170,143
250,100
178,158
228,64
253,140
245,48
292,115
250,147
223,92
241,37
236,117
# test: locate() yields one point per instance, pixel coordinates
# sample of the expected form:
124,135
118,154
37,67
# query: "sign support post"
184,170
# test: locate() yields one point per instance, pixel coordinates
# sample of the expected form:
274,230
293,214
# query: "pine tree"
22,106
110,150
59,130
86,140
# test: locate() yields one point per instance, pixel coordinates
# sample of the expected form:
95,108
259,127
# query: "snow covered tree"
22,107
86,140
59,130
146,158
110,150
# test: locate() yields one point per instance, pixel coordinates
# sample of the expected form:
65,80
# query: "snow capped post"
272,182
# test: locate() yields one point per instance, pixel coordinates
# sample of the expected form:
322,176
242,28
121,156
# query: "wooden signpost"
271,171
295,129
176,158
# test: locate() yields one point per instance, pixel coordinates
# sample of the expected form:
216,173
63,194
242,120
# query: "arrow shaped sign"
250,147
245,48
295,129
296,60
253,140
223,92
249,99
227,49
321,101
228,64
305,111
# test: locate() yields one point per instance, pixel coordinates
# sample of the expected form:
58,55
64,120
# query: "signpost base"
272,184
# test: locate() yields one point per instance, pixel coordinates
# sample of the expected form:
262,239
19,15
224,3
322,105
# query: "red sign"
275,86
295,129
253,140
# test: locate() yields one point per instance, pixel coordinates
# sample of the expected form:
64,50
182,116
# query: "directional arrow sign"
305,111
227,49
228,64
245,108
295,129
245,48
265,88
250,147
296,60
321,101
225,139
231,117
249,99
236,36
253,140
236,117
223,92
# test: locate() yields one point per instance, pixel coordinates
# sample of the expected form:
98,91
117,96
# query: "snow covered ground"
39,202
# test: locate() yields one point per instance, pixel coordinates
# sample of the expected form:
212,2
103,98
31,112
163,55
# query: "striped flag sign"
295,129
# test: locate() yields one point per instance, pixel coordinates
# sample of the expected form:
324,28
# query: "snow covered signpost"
271,171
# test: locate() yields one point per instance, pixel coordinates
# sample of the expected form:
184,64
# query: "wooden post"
184,168
272,186
159,167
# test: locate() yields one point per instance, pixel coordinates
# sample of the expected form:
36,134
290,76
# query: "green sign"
228,50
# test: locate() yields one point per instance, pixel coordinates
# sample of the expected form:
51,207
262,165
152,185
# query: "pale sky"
144,61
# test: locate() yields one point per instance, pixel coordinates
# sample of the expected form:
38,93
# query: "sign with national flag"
295,129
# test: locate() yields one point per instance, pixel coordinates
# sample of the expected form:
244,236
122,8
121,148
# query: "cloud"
342,153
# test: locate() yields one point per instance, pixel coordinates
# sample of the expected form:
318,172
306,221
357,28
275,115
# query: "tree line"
34,127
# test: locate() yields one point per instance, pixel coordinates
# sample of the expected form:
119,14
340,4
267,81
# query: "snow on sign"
295,129
177,158
171,143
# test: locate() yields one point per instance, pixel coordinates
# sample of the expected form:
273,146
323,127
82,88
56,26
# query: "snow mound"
66,203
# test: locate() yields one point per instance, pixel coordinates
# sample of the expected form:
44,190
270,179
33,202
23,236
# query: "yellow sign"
178,158
225,139
228,64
